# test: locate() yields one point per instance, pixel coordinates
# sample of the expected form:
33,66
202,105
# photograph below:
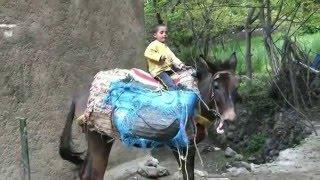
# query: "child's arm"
152,53
176,61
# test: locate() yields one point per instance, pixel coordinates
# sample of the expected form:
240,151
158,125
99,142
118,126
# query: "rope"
215,112
195,144
186,156
185,162
180,162
181,157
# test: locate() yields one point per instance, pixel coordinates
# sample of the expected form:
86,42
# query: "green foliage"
256,143
259,58
255,94
309,42
191,23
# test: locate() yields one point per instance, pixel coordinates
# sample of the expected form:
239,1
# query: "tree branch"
278,14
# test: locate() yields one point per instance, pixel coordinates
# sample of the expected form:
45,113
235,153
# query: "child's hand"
163,58
182,66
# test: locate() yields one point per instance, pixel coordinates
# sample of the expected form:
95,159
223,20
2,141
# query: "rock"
238,157
153,172
162,171
218,179
133,178
228,165
201,173
148,171
240,164
274,152
237,171
153,162
252,159
207,149
230,135
229,152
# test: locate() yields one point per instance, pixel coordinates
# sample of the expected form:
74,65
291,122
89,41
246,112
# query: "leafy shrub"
257,142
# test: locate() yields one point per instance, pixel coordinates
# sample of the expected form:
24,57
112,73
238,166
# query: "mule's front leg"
187,164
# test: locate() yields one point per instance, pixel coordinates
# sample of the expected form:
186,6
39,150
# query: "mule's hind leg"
187,166
99,147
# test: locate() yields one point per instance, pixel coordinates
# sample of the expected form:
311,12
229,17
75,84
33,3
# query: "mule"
218,88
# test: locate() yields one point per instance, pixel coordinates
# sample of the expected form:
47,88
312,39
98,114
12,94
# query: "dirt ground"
301,162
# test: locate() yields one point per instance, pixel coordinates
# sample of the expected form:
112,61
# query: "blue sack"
145,118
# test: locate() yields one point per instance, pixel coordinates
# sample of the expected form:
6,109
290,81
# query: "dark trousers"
167,81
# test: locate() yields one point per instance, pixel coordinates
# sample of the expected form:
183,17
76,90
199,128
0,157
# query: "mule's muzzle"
229,115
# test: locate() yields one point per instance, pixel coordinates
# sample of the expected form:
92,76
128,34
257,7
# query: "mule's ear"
233,61
211,67
203,63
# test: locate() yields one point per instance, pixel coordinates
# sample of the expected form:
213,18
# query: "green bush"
256,143
256,96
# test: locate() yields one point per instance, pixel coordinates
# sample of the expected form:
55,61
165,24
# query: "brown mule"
218,88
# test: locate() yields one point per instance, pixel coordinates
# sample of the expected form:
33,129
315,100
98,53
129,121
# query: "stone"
252,159
162,171
153,162
207,149
153,172
274,152
238,157
148,171
239,164
201,173
229,152
237,171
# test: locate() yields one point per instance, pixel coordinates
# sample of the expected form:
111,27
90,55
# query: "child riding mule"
218,88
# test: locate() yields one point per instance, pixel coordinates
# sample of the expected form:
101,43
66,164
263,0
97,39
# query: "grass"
309,43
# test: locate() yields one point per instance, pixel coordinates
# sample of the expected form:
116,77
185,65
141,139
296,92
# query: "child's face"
161,34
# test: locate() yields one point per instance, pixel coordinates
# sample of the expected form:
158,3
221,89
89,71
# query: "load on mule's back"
128,105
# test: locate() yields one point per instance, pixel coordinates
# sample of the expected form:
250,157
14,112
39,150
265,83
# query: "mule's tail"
65,148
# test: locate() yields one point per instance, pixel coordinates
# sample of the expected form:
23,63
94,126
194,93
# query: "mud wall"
48,49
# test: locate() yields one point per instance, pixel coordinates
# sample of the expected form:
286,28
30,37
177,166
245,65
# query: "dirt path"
301,162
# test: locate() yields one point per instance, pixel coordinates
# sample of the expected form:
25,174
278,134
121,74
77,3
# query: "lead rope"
215,112
195,144
186,156
181,157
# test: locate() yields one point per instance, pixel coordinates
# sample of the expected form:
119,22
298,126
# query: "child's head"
160,32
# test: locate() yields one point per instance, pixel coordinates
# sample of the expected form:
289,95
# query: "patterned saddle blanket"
103,115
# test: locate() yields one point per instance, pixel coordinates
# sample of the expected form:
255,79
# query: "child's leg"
167,81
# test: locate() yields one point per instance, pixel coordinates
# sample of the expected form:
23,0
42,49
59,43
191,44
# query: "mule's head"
218,86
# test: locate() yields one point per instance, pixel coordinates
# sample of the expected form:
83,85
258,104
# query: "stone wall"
53,49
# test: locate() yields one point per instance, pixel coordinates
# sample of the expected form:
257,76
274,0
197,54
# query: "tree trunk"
248,30
265,18
248,53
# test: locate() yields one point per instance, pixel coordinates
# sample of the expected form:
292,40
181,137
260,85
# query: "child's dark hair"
156,27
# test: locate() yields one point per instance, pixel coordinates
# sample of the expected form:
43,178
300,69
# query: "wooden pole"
24,149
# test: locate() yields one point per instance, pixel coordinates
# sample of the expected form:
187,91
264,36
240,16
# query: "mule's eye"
215,85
